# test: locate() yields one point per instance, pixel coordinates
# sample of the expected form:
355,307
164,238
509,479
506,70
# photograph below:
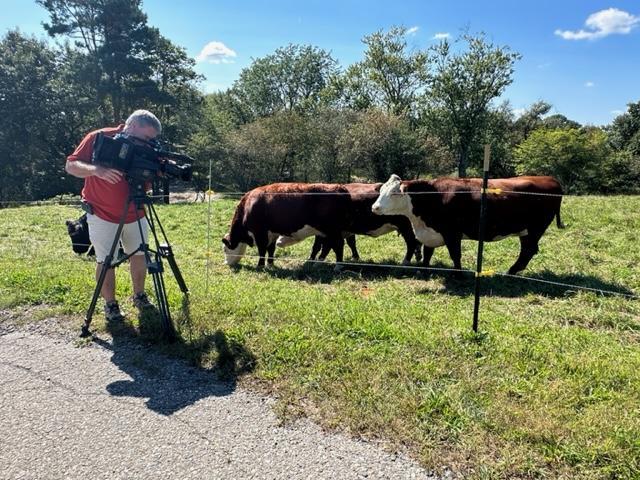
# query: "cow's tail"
559,223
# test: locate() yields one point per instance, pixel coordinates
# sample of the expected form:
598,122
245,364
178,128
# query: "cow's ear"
226,242
68,223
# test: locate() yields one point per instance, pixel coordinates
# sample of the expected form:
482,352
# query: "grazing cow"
446,210
364,222
282,214
78,231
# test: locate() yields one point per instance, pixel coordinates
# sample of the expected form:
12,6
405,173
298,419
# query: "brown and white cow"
282,214
446,210
364,222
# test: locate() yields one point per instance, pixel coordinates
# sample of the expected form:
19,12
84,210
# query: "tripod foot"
84,333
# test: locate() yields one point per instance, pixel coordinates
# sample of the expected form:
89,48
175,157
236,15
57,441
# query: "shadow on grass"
168,383
324,272
500,286
456,283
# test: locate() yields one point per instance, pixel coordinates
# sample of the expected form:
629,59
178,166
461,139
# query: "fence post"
483,211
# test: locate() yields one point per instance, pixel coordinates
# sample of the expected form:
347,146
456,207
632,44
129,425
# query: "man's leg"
137,264
102,235
138,268
109,286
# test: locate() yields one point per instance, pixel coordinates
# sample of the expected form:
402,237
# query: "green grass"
549,389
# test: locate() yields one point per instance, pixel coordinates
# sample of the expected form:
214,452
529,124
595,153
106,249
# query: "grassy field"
549,389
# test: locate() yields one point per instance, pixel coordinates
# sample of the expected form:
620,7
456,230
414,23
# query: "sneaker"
141,301
112,312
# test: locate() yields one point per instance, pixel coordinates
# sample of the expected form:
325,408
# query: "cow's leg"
351,241
428,253
413,247
262,242
326,248
418,251
271,250
528,248
317,246
454,245
338,248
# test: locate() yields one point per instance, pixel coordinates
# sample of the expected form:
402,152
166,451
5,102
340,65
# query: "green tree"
462,87
576,157
128,63
30,117
290,79
624,132
379,144
390,76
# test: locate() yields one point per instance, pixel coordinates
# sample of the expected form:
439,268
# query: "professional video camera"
140,160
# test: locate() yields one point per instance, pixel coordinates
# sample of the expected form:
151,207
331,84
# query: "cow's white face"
233,255
391,200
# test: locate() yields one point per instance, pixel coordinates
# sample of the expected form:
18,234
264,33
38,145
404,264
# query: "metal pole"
483,211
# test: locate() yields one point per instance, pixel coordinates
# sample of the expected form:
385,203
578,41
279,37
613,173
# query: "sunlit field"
550,387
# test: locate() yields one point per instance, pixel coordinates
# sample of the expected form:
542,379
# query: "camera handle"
154,266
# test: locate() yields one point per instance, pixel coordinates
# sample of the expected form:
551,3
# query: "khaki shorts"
102,233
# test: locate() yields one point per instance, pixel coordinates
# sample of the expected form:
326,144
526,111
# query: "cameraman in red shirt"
106,190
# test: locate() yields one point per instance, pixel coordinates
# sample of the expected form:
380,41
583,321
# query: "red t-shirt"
106,199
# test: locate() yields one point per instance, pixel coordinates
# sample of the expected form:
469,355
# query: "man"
106,190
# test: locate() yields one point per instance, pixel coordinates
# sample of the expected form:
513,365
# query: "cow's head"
391,201
234,249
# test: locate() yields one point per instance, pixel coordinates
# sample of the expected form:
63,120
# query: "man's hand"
109,175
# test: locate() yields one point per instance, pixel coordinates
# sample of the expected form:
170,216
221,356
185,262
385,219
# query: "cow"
446,210
78,231
364,222
282,214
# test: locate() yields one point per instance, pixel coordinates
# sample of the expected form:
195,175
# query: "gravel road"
117,409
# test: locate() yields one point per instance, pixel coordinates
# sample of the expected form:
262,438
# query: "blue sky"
583,56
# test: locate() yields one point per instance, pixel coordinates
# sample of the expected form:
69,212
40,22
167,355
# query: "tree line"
293,115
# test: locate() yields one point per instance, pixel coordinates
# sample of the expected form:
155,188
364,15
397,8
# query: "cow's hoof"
406,263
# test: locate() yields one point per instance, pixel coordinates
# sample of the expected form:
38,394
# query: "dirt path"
117,409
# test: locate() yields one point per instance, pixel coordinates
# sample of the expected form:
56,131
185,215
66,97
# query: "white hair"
144,118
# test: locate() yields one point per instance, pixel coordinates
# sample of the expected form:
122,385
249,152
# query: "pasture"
549,388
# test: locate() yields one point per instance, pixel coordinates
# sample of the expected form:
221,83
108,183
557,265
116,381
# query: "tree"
575,157
291,79
531,119
129,64
559,121
625,130
389,77
463,86
30,113
379,144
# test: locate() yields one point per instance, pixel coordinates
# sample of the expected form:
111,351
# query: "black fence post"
483,212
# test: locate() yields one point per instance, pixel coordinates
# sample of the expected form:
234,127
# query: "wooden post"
483,212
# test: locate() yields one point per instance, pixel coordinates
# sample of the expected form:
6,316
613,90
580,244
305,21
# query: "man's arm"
81,169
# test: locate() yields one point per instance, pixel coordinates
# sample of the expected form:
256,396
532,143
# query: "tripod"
153,259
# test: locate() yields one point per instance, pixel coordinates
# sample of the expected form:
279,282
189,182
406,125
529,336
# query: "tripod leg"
165,249
163,306
106,265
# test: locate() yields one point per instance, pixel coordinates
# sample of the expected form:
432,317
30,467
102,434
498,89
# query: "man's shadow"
169,383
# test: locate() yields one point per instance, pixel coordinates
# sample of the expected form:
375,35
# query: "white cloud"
441,36
216,52
589,84
603,23
412,30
